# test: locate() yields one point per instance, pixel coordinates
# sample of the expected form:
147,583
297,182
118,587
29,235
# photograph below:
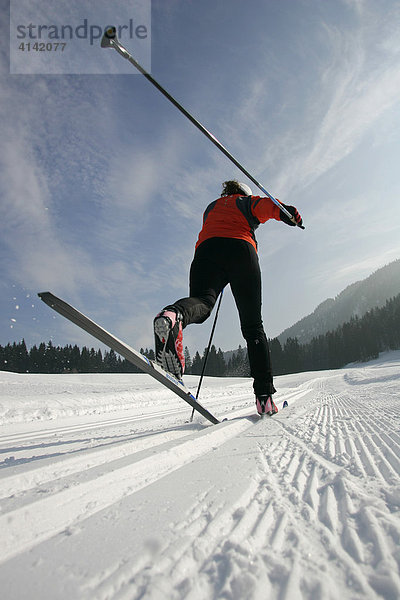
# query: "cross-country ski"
142,362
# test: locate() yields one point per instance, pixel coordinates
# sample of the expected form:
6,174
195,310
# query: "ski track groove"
331,503
84,499
259,526
17,438
70,465
244,526
372,450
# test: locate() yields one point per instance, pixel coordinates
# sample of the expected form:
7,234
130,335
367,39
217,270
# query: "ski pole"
207,352
110,40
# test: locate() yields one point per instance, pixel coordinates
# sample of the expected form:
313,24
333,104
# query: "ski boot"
169,341
265,406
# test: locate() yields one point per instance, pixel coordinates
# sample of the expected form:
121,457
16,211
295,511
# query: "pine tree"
22,357
276,356
238,364
221,365
211,366
188,361
110,361
292,355
84,363
197,364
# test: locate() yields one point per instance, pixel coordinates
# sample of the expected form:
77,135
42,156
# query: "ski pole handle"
110,40
282,208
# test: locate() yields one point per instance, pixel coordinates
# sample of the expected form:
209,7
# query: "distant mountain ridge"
354,300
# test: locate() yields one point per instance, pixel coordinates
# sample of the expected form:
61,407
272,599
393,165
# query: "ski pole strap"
110,40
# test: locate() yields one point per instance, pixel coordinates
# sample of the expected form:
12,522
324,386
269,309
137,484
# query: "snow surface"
108,492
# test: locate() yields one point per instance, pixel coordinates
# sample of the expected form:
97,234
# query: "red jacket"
237,217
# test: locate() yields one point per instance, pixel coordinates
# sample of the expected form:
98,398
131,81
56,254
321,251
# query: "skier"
226,252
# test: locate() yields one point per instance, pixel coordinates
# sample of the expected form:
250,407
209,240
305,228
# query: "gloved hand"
293,211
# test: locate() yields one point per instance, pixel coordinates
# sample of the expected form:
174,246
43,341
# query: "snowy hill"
108,492
353,301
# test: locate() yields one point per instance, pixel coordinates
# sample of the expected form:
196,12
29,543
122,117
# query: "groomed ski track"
106,491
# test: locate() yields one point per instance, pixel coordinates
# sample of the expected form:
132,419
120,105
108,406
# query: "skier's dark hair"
231,187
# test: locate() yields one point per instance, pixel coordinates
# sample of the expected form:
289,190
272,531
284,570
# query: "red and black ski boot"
266,406
169,341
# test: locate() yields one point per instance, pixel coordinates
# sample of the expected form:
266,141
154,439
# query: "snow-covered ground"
108,492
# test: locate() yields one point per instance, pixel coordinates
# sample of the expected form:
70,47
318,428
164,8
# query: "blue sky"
103,182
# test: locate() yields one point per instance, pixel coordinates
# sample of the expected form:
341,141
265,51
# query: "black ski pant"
217,262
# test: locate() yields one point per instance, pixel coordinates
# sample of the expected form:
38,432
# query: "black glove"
293,211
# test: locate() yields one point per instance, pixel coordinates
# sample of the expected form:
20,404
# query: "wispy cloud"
35,253
358,83
39,249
